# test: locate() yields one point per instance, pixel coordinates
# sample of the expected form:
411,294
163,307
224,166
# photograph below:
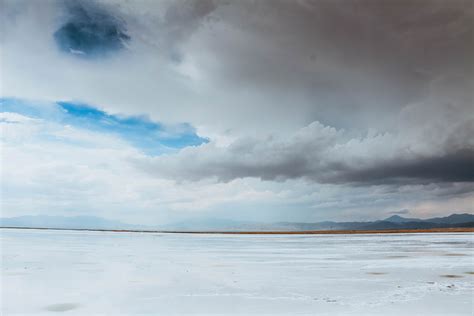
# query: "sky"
153,112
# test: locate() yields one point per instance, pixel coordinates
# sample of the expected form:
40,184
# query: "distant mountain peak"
401,219
394,217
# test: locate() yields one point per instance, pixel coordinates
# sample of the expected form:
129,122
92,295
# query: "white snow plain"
89,273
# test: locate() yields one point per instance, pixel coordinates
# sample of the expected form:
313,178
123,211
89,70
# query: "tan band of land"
380,231
309,232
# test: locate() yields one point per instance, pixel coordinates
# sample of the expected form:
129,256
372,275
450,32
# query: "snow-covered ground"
90,273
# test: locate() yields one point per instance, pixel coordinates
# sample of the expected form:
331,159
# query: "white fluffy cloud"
49,168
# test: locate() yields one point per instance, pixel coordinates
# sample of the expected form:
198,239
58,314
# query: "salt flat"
87,273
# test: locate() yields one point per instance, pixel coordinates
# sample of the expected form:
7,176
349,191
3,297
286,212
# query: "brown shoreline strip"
311,232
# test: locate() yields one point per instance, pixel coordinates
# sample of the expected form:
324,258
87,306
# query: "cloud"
400,212
181,20
318,58
455,166
325,155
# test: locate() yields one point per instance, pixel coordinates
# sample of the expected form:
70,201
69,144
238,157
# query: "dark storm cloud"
368,57
451,167
90,30
166,25
359,63
181,19
324,155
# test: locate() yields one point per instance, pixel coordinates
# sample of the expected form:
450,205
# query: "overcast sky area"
152,112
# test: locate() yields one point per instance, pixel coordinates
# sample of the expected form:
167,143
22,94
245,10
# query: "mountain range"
93,222
392,222
67,222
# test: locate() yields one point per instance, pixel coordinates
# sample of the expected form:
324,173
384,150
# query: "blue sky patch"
151,137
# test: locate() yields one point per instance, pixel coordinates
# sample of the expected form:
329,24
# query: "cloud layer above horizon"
257,110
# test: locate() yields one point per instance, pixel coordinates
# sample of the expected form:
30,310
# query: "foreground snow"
161,274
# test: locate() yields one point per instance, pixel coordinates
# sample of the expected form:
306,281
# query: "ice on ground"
87,273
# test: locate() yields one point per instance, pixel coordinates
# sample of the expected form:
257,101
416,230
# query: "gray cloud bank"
323,154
